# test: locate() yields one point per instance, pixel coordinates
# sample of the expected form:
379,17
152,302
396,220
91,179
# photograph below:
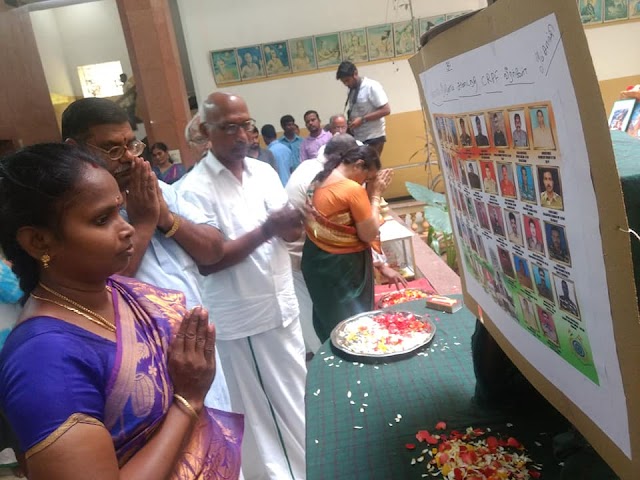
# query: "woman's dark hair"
35,182
365,153
163,147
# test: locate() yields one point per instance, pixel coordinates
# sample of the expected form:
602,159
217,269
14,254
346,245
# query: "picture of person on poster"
465,138
505,262
463,173
452,128
549,185
567,299
474,179
481,138
489,177
557,242
519,134
499,138
513,227
505,175
481,212
495,216
542,136
543,283
522,272
526,184
533,234
529,313
548,326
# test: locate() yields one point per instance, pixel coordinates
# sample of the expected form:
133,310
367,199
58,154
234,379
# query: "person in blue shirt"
282,153
290,138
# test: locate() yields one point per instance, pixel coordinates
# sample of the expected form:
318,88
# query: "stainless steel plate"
338,337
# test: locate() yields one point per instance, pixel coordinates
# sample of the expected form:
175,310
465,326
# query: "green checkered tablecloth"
437,385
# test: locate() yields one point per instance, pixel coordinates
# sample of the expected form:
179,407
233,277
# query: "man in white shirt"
368,104
250,292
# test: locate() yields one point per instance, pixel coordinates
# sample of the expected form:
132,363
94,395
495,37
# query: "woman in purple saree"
104,377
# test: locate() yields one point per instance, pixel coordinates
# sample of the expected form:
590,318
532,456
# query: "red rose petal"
512,442
422,435
410,446
492,443
441,426
534,473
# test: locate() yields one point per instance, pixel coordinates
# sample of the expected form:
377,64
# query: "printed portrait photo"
452,130
472,175
529,313
276,57
328,50
463,132
557,244
251,62
498,129
495,218
481,214
541,127
621,114
440,130
615,10
505,262
404,38
550,188
303,57
542,280
354,45
380,41
455,169
505,178
493,258
590,11
225,66
526,183
533,234
471,210
519,136
481,250
513,226
567,301
548,326
489,177
522,272
479,130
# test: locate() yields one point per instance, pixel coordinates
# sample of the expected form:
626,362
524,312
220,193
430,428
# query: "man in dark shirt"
499,140
474,179
481,138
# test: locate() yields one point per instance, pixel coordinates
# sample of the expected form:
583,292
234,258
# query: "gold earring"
45,259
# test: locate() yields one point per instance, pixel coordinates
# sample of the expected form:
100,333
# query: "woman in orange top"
344,220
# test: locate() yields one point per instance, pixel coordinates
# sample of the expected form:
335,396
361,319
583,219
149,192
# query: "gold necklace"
109,326
97,318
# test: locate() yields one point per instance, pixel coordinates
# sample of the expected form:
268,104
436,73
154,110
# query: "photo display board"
537,210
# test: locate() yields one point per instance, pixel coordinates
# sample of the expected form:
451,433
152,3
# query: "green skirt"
340,285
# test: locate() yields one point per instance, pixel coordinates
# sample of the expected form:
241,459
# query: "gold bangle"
174,228
187,405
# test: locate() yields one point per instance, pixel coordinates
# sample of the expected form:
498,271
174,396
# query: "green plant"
436,213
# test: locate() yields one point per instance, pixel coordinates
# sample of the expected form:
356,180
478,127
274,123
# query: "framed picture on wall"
428,23
404,39
251,62
225,66
451,16
380,41
634,8
616,10
303,55
590,11
328,49
354,45
276,58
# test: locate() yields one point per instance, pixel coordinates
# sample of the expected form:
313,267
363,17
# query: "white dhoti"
311,341
266,379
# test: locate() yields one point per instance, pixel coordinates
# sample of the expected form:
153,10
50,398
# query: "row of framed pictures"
599,11
322,51
625,116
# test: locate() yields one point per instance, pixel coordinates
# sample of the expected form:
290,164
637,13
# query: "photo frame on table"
353,44
251,62
276,58
404,38
380,42
224,64
633,128
621,114
615,10
590,11
303,54
328,50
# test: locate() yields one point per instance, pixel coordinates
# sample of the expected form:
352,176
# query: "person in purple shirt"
317,136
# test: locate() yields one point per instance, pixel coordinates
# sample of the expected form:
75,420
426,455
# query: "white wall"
86,33
615,49
216,24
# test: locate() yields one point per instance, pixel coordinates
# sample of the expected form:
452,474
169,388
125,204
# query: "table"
437,385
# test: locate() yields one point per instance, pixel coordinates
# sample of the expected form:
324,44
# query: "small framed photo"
542,279
621,114
633,128
548,326
404,38
634,8
590,11
495,218
463,130
523,274
533,234
557,243
251,62
472,175
541,128
479,126
451,131
354,45
481,214
529,313
615,10
303,55
526,183
505,262
550,187
513,226
519,136
567,300
498,129
328,50
505,178
276,58
488,172
380,41
225,66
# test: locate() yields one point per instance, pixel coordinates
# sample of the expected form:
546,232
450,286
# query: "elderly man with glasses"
250,292
172,235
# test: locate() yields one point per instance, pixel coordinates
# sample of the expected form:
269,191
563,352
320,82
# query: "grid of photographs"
604,11
306,54
504,182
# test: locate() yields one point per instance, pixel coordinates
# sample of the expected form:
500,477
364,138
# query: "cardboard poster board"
535,201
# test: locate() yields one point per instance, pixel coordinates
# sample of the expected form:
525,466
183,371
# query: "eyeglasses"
135,148
232,128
